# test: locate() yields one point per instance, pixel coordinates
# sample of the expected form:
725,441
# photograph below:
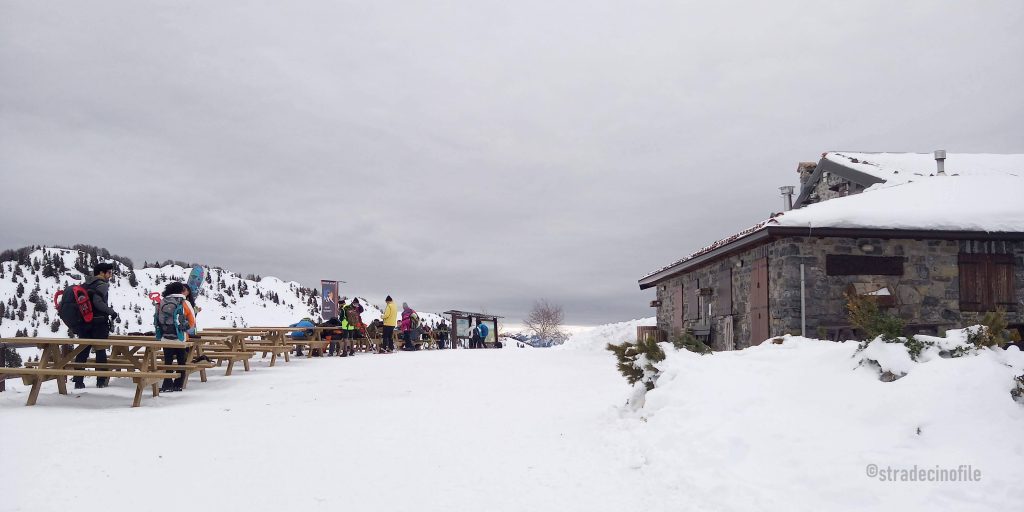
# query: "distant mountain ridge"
29,278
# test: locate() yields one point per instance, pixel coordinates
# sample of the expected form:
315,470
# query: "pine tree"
48,269
636,361
133,281
20,290
55,326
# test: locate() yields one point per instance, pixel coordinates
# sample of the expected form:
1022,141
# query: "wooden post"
3,364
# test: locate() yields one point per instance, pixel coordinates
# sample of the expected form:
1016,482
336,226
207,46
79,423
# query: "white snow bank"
798,426
598,337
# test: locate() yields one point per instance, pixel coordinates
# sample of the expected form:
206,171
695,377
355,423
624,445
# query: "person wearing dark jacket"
98,287
332,336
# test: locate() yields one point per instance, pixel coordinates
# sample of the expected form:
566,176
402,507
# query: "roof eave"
740,243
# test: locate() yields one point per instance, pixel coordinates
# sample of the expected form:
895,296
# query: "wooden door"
760,325
676,322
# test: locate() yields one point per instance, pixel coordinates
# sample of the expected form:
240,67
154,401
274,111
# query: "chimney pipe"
940,161
787,194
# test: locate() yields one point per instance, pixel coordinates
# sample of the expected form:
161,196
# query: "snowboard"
195,279
195,283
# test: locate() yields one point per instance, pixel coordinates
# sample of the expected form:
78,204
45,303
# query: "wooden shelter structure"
463,321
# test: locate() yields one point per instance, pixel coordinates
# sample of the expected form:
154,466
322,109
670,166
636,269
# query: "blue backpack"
483,331
169,321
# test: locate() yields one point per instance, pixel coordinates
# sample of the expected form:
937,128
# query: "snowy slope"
597,338
795,426
226,300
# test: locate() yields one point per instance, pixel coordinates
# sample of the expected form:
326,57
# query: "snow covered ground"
790,426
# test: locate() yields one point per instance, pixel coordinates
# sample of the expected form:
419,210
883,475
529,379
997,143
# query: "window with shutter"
986,282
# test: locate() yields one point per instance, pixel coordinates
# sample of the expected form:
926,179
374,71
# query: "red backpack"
74,307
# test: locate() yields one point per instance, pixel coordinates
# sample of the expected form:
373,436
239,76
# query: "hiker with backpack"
483,330
173,319
354,316
346,326
390,320
410,327
84,309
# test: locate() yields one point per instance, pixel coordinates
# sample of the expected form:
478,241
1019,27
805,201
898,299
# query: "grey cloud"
470,153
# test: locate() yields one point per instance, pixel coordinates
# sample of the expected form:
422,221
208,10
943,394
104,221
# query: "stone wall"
928,292
739,266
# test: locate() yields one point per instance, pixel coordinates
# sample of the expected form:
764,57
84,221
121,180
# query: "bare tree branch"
545,321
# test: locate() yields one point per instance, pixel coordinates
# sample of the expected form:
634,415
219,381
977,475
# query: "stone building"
939,241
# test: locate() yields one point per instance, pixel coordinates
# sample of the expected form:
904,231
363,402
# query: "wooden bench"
36,376
136,360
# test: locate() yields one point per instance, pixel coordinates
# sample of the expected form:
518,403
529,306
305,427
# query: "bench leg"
140,384
202,374
273,359
62,385
231,365
286,351
245,364
33,395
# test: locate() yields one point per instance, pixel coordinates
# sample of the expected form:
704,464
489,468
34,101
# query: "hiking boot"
79,385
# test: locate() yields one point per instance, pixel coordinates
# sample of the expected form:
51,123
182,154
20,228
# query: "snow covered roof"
986,202
890,167
951,203
867,169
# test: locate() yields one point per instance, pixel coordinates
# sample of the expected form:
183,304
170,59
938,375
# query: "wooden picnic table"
229,345
279,337
136,360
194,351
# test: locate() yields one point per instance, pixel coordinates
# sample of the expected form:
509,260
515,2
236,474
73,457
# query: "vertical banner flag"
329,300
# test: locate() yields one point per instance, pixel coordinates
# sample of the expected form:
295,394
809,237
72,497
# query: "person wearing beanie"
390,320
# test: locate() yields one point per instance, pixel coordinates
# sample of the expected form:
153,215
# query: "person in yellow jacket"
390,319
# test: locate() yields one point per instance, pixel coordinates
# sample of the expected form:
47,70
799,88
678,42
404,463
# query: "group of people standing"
350,327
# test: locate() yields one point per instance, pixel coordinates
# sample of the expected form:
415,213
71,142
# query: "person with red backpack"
98,327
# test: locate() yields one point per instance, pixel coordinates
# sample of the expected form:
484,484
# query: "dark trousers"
172,354
98,329
389,338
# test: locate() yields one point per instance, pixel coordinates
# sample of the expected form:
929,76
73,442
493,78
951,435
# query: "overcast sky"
470,154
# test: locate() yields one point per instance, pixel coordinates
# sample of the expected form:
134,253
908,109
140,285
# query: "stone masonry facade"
927,293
